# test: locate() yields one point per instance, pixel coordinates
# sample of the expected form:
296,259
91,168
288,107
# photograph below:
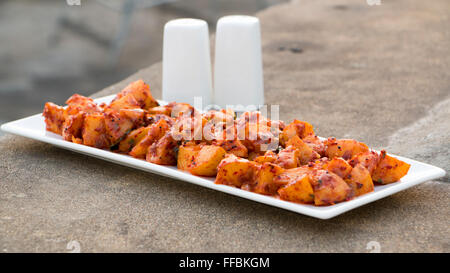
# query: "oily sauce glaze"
250,152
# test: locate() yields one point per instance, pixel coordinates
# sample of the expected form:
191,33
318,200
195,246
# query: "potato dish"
249,151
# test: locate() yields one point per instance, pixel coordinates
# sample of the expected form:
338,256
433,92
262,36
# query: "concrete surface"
376,73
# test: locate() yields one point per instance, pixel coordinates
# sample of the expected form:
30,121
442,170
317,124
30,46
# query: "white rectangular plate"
34,127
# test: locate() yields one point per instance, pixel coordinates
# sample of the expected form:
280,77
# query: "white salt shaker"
186,62
238,72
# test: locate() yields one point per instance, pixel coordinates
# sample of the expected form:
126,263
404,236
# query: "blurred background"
50,49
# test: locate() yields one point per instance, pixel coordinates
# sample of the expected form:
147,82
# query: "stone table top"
379,74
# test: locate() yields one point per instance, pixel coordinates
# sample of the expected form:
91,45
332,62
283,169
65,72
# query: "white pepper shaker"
186,62
238,72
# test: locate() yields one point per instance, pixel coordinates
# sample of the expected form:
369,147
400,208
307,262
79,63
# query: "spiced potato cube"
133,138
156,131
207,160
73,127
360,180
296,128
288,158
345,148
368,159
306,153
389,169
338,166
235,171
299,190
54,118
163,152
329,188
94,131
264,179
186,155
